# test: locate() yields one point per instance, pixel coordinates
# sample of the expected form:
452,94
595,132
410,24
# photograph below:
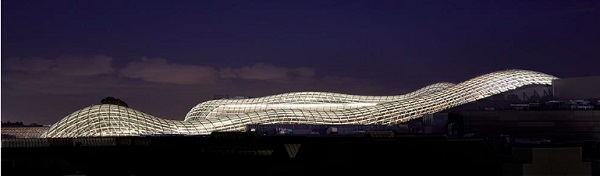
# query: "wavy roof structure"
294,108
318,101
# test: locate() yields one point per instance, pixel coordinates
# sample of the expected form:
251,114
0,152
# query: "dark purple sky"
163,58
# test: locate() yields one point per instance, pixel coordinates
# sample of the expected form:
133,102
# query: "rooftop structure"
294,108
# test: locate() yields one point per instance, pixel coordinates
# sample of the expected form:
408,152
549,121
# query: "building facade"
294,108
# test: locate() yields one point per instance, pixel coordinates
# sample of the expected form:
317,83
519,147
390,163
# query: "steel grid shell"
318,101
291,108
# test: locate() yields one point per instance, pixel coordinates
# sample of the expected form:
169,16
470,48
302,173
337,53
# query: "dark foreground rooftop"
245,153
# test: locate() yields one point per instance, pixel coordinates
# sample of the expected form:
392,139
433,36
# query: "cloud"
158,70
95,74
265,72
74,75
148,84
34,83
64,65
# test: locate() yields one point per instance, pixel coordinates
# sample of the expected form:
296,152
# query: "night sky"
164,57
